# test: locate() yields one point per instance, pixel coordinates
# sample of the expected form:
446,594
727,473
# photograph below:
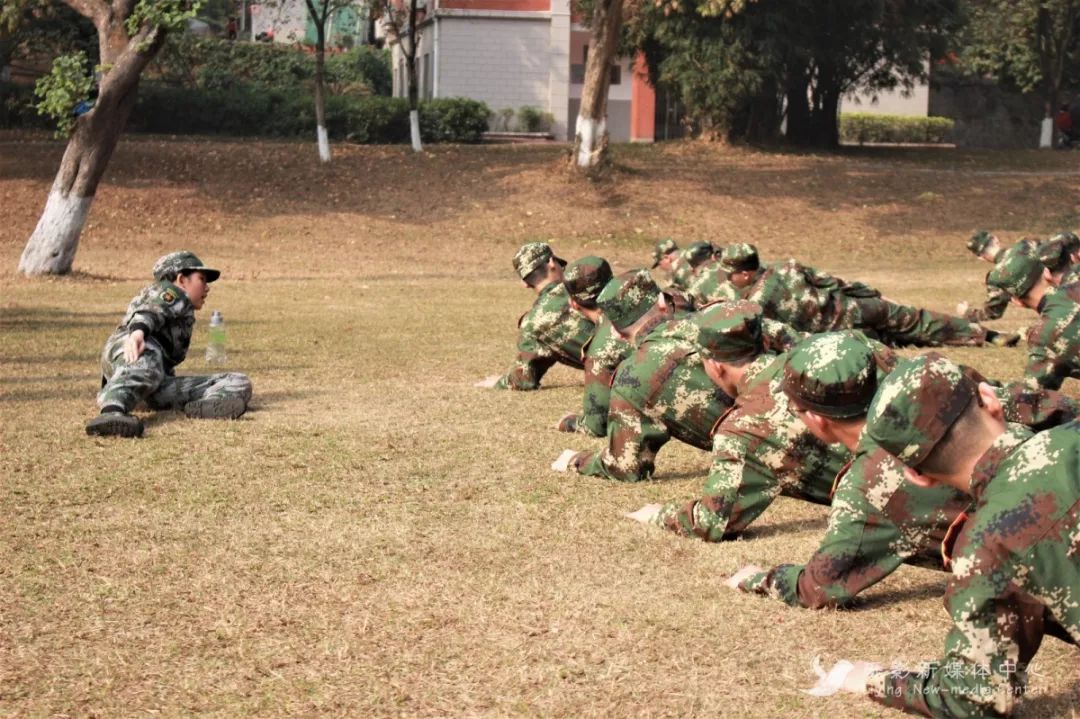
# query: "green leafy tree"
130,33
1027,44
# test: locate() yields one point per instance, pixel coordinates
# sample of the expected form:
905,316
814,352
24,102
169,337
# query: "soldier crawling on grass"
551,331
140,357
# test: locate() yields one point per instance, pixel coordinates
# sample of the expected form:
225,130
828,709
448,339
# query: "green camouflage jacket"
166,316
603,354
760,450
1015,577
879,521
1054,341
682,274
997,301
660,392
712,285
551,331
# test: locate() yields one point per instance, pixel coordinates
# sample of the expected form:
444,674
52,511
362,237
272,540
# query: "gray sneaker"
115,424
220,408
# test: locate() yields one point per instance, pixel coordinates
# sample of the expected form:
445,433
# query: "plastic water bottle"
215,347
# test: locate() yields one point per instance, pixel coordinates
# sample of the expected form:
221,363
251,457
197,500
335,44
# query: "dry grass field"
378,537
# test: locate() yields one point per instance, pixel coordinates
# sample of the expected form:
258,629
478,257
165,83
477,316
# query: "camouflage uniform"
760,448
661,249
659,392
602,353
1014,564
812,301
682,274
712,285
878,521
1053,341
166,316
551,331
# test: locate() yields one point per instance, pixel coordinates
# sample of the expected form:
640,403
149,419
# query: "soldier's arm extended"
596,399
997,300
859,549
633,440
153,312
533,361
986,653
739,489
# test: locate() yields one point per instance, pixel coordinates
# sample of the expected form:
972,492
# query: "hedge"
861,127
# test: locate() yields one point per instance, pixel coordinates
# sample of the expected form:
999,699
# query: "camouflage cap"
1056,253
585,278
697,253
531,256
627,297
740,257
979,241
174,263
1016,271
916,405
729,331
833,374
663,247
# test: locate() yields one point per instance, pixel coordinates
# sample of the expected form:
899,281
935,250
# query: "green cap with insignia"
833,374
1016,271
626,298
697,253
585,278
916,405
531,256
663,247
740,257
979,241
729,331
174,263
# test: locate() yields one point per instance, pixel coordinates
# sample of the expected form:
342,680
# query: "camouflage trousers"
147,381
897,324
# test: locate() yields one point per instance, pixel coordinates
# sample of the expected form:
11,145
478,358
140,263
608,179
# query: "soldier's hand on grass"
488,382
962,308
567,423
843,676
563,462
134,346
737,578
646,514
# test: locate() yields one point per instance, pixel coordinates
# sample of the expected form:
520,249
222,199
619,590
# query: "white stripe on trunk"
324,143
590,131
414,130
51,249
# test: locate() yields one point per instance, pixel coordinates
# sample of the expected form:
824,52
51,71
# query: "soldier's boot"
1002,339
216,408
114,423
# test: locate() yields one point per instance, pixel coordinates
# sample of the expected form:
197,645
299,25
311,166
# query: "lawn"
377,537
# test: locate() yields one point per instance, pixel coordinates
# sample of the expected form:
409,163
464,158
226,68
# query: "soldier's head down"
537,265
664,253
935,418
1059,253
729,339
629,299
584,279
985,246
829,380
1021,274
698,254
741,263
187,272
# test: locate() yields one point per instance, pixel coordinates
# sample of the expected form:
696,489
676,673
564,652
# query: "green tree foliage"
1030,45
734,71
67,84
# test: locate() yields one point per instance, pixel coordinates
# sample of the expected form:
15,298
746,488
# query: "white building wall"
890,103
504,62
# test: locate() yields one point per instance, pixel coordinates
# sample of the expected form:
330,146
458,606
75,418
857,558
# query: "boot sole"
229,408
105,426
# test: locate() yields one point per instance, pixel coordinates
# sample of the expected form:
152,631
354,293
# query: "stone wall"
985,114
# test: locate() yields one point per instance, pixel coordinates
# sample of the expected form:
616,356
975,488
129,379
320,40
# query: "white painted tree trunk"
51,249
589,131
324,144
414,130
1046,134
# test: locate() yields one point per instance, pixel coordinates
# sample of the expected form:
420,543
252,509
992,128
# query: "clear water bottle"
215,347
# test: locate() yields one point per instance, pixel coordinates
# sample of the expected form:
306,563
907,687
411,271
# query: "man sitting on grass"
140,357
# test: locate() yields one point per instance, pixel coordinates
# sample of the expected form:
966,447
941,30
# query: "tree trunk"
51,248
798,109
414,101
320,94
591,137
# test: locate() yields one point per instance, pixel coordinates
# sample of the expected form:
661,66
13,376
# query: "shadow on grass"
925,590
761,531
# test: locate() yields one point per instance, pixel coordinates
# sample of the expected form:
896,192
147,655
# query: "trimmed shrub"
249,111
861,127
